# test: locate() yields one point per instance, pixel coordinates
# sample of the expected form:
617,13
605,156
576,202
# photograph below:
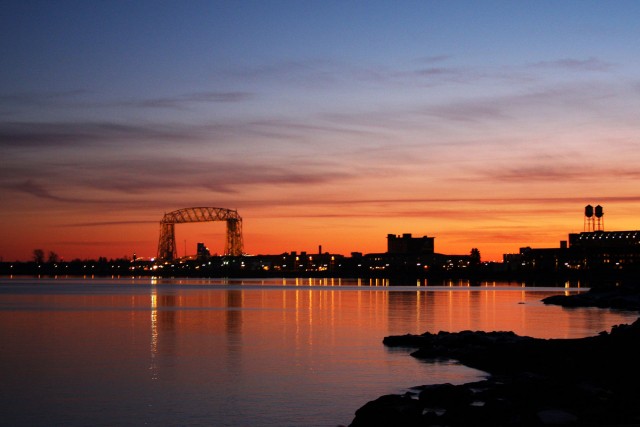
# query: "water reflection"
153,367
233,328
426,309
515,309
257,354
234,314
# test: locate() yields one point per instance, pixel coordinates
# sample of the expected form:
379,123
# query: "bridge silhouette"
167,242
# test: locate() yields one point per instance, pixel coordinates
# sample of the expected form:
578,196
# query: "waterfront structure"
167,242
595,250
295,261
608,239
593,218
592,250
606,249
589,250
409,245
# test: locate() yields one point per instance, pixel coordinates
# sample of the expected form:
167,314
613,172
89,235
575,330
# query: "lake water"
107,352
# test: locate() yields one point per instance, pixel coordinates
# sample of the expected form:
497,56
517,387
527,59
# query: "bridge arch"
167,243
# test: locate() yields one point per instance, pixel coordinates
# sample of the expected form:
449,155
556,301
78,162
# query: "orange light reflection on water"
209,342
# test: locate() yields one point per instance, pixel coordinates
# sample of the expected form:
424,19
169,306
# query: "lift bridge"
167,243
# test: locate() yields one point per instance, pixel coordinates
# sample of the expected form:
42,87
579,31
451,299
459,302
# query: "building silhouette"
202,251
408,245
592,250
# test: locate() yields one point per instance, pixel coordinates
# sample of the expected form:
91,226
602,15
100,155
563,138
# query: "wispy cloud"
433,59
571,99
38,98
14,104
16,134
187,100
438,71
39,191
106,223
312,72
102,182
467,111
558,171
573,64
541,172
506,208
72,134
141,175
82,101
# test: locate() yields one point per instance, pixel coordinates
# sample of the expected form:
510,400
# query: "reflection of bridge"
167,242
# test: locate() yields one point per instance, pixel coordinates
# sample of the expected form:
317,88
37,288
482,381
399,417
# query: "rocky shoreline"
592,381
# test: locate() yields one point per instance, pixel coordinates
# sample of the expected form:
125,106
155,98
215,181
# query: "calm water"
235,353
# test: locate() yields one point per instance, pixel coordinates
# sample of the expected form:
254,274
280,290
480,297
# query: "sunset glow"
483,124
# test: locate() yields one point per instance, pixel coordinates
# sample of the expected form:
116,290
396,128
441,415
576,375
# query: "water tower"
599,219
588,218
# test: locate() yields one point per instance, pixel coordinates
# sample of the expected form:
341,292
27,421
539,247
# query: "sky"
484,124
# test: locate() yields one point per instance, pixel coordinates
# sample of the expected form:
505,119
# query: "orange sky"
495,227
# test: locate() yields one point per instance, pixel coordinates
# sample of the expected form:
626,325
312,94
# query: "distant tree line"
51,264
38,257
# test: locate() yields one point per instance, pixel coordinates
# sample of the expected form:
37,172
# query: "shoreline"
531,382
236,269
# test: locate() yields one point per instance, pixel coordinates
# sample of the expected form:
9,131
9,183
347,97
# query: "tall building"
408,245
202,251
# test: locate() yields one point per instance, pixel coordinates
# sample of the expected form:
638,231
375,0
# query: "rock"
389,410
618,297
591,381
533,382
445,396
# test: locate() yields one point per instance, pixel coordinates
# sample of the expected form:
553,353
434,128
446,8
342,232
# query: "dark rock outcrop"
617,297
389,410
588,381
